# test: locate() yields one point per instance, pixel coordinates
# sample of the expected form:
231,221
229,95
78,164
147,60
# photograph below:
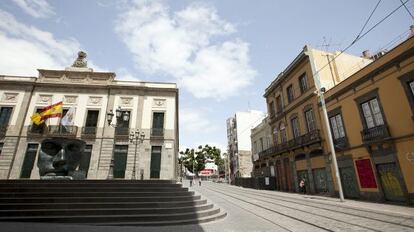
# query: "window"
92,118
29,160
5,113
255,147
272,108
279,107
303,82
337,126
407,82
411,84
295,127
157,124
261,144
38,129
1,147
310,121
283,138
372,113
275,138
290,93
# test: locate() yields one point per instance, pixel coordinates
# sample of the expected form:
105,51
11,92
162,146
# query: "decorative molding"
70,99
126,101
159,103
96,101
44,99
9,97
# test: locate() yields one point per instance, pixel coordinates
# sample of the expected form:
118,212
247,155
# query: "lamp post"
121,116
139,137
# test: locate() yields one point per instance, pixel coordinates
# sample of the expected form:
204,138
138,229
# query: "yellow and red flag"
51,111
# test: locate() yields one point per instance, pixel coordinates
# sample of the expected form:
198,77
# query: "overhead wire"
409,12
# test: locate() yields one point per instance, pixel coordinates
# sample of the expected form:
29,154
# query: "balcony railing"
35,130
62,131
300,141
121,133
341,143
375,134
157,132
88,132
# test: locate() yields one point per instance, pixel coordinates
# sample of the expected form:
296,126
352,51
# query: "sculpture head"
59,156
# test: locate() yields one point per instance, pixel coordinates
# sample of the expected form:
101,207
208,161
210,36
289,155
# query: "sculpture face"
59,156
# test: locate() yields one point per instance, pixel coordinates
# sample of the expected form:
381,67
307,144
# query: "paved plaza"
261,210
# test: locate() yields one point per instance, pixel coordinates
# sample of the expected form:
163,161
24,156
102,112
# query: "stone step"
113,218
93,194
89,189
88,205
102,211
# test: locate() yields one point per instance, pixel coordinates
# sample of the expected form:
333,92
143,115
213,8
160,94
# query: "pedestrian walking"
191,182
302,186
199,182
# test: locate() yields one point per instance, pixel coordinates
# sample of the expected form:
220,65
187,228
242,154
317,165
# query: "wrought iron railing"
157,132
62,131
341,143
375,133
89,132
300,141
35,130
3,130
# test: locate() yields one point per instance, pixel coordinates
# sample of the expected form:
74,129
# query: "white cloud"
36,8
27,48
181,44
195,121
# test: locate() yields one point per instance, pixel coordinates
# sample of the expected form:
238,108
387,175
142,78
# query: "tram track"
399,220
303,208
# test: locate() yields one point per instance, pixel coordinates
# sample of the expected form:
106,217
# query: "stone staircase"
104,202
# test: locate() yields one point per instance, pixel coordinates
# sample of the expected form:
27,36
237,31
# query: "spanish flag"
51,111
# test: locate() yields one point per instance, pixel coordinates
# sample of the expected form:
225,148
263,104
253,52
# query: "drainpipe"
320,91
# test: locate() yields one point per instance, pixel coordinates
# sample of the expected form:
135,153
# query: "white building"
239,142
152,108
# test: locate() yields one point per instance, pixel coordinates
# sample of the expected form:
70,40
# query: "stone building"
261,137
239,143
371,118
148,107
297,152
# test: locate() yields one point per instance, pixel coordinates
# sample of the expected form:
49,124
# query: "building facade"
152,109
297,152
261,137
371,118
239,143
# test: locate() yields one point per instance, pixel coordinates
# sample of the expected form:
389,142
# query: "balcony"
157,132
375,134
88,132
121,133
341,143
35,130
62,131
304,140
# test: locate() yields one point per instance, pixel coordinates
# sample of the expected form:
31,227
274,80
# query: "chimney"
365,54
411,31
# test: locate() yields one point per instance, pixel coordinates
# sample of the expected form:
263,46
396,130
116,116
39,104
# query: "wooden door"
349,184
388,175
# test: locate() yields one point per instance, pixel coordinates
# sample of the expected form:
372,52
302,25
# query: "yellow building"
371,117
297,152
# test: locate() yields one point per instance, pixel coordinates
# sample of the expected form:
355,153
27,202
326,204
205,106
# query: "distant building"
151,107
261,137
239,142
297,151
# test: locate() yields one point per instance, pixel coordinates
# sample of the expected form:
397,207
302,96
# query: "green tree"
197,158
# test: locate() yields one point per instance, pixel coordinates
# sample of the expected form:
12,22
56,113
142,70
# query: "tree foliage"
197,158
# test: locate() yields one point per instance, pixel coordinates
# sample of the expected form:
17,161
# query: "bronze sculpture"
59,158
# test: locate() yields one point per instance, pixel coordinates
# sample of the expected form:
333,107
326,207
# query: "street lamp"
139,137
121,115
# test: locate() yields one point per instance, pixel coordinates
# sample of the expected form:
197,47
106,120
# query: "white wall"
245,122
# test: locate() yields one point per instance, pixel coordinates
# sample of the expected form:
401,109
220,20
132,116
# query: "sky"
221,53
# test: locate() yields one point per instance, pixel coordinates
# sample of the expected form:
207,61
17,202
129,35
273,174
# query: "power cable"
407,9
366,22
360,37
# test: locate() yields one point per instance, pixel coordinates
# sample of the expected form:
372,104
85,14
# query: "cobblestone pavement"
259,210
